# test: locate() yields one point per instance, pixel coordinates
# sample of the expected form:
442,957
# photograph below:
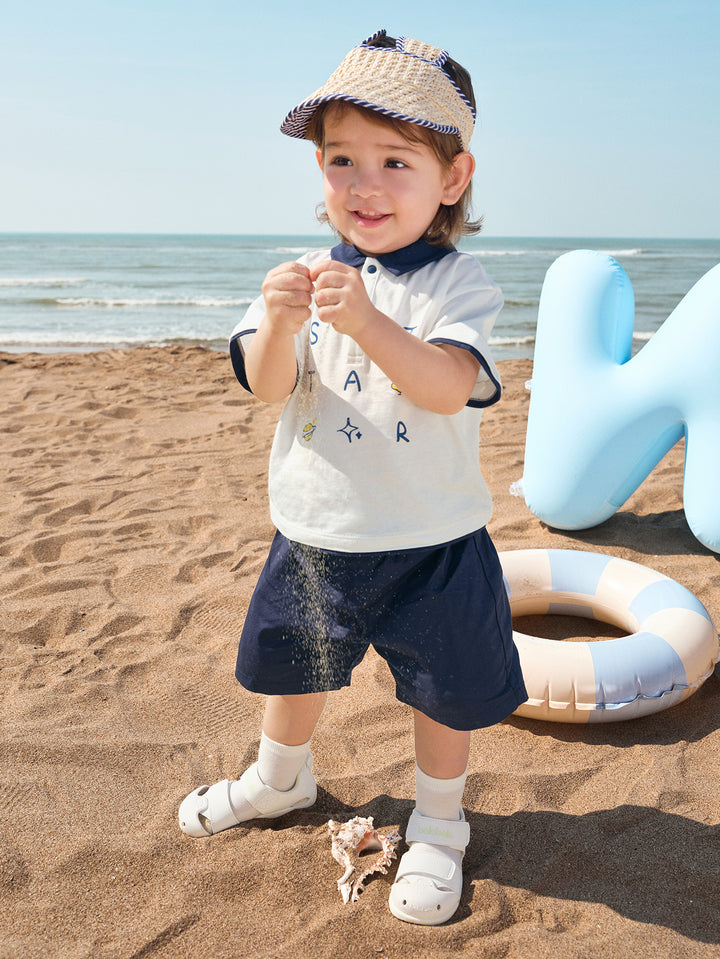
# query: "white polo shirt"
355,466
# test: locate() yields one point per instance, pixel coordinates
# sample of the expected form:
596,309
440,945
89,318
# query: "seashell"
349,841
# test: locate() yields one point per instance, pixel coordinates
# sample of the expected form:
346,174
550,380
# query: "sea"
75,292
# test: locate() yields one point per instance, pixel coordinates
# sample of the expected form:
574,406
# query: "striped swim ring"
670,652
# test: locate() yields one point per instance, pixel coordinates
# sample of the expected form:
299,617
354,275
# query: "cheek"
418,200
332,185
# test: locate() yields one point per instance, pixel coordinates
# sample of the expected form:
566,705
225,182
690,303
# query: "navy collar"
398,262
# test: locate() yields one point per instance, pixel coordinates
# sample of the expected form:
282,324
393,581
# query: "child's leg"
440,751
280,781
441,755
428,884
288,724
292,719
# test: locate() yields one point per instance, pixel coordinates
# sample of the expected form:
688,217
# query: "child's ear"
457,178
319,158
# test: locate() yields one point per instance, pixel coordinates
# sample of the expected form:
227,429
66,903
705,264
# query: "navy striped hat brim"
296,122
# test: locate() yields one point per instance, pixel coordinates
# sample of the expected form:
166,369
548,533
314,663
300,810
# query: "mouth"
369,218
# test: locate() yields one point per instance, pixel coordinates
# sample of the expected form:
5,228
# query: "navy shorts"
439,616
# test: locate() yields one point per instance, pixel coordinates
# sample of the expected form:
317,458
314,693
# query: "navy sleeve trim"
237,358
478,404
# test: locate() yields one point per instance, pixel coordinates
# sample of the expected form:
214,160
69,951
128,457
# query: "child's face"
381,191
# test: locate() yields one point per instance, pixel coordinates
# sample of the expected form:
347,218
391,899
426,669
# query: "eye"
396,165
340,161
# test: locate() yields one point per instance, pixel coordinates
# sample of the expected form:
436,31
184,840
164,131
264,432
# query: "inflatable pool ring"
670,652
599,420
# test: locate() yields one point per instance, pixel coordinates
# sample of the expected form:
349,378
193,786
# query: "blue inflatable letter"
599,421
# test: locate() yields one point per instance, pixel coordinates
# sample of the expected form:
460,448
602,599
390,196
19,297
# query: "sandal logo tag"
434,831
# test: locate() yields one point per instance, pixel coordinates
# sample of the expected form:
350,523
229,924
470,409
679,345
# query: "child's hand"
341,298
287,290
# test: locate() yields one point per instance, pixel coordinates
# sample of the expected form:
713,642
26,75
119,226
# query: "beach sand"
133,526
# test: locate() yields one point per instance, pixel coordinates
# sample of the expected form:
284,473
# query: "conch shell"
356,836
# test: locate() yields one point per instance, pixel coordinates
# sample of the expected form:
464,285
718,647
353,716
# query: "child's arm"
436,376
270,361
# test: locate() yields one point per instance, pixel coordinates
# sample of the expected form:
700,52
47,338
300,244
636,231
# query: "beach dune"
133,527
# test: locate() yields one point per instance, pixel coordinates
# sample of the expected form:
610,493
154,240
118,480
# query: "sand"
133,526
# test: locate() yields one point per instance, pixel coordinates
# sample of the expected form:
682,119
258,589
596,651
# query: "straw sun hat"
406,82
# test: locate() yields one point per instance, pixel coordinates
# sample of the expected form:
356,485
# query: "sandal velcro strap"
223,814
271,802
438,832
261,797
433,863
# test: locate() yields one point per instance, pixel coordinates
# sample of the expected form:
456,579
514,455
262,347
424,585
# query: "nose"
365,182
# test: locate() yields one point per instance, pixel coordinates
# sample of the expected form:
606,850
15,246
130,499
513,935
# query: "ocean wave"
84,341
559,251
632,252
298,249
41,281
103,303
484,253
511,340
674,255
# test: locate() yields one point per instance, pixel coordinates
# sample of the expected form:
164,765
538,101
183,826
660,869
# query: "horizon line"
321,236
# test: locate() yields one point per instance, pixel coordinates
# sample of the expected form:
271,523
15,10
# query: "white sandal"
428,883
208,809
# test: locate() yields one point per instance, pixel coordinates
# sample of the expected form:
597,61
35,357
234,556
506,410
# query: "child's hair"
450,222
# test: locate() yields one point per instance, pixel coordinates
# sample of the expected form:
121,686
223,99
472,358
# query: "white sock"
439,798
278,767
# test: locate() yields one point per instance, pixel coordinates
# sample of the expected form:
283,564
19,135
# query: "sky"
162,116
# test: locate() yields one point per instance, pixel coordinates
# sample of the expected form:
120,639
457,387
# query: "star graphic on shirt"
352,432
